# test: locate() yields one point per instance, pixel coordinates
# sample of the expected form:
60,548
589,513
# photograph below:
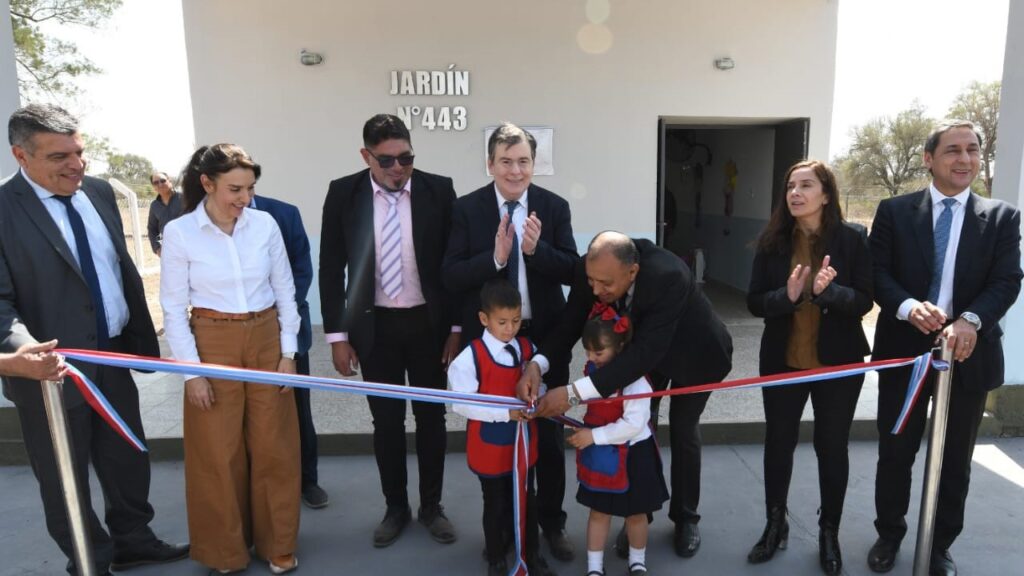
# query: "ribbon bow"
598,309
621,325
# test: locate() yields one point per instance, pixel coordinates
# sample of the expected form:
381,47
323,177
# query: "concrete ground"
336,540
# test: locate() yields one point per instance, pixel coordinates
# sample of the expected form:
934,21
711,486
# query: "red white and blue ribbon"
99,403
520,475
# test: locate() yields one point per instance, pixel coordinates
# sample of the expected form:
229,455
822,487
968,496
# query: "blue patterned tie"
513,255
88,268
391,248
942,228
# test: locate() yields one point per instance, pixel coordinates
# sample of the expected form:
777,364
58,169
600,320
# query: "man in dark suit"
515,229
387,228
677,338
946,262
289,220
65,273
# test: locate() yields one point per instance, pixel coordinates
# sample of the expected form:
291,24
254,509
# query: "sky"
888,53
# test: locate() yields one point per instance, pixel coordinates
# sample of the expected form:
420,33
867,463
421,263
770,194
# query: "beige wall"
303,123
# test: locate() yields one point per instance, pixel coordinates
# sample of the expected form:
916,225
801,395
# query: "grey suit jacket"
43,294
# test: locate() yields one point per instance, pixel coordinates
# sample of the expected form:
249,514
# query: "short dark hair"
384,127
33,119
508,134
932,143
212,161
499,294
615,243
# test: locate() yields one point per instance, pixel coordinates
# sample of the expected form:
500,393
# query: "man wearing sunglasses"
385,229
165,207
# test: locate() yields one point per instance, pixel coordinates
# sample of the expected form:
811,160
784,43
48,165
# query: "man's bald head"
616,244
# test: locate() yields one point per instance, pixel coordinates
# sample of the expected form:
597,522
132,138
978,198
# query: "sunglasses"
159,182
389,161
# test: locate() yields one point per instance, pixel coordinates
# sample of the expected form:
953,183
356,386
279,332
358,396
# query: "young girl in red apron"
617,460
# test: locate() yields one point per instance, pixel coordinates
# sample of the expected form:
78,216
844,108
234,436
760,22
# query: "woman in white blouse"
229,264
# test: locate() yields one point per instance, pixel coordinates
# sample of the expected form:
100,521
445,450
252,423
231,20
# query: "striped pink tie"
391,248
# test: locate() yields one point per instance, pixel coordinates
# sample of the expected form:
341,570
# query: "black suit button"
91,337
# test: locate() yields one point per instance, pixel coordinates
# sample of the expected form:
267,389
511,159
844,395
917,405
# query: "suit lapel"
489,209
975,220
422,213
39,216
921,220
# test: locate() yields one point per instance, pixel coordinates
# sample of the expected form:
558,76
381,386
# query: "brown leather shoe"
390,528
439,526
561,547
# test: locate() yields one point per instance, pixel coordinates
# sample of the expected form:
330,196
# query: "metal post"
933,463
53,399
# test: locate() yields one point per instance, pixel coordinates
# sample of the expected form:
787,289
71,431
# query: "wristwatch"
972,319
288,355
574,400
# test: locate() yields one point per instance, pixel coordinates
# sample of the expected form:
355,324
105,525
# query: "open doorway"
718,180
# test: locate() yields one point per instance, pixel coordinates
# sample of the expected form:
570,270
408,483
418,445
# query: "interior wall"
726,240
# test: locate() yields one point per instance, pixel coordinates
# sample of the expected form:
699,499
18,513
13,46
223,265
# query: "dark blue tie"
942,229
512,350
88,267
513,255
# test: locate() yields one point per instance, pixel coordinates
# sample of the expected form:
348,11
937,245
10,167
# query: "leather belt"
218,315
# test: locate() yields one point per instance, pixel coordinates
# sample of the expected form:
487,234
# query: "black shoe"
942,564
155,552
498,568
828,550
440,528
882,555
539,567
391,526
687,539
561,547
775,536
313,496
622,544
637,569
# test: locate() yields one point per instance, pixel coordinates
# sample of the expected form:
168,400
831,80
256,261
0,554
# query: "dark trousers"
896,455
498,516
684,434
834,402
404,344
307,432
122,471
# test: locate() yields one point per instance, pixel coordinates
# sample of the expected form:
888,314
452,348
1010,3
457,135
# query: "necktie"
513,256
391,248
88,267
515,356
942,228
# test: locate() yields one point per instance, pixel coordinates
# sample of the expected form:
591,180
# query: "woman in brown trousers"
229,264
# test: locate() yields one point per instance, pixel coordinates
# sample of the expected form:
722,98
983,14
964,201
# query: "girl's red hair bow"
621,325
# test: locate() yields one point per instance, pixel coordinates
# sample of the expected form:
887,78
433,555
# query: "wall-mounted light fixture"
310,58
725,63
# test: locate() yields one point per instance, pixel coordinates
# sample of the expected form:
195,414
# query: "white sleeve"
174,296
903,312
462,378
635,415
283,285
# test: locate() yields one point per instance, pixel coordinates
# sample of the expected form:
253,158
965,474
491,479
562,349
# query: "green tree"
47,64
979,103
887,152
131,169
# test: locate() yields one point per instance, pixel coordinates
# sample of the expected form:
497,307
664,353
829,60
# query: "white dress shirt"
246,271
462,377
518,220
104,256
632,426
949,263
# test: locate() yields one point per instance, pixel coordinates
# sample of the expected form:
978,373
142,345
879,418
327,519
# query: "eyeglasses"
389,161
159,182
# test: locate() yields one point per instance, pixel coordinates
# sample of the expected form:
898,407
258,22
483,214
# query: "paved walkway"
336,540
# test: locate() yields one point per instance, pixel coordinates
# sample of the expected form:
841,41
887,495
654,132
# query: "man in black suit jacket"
386,227
534,248
946,261
677,337
49,290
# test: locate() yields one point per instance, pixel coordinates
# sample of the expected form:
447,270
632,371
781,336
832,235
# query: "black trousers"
122,471
684,434
405,345
834,403
307,432
498,516
896,455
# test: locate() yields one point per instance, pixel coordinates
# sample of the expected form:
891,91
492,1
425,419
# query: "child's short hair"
607,329
499,293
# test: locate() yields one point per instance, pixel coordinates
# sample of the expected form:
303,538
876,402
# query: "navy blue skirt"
647,490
